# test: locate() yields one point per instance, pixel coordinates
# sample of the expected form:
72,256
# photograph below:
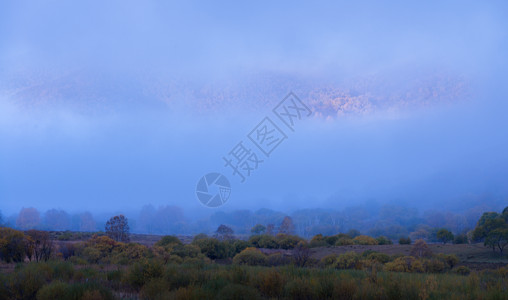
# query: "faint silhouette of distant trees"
164,220
28,218
86,222
57,220
287,226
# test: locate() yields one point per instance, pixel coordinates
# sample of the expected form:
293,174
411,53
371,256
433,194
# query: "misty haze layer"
108,107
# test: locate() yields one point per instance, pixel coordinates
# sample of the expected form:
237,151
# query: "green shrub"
382,240
462,270
302,288
198,261
288,241
114,278
214,249
270,283
54,290
89,291
168,240
4,287
178,277
141,272
328,261
174,259
65,236
199,236
237,292
264,241
405,241
435,266
26,281
379,257
240,245
318,241
331,240
348,260
156,288
460,239
450,260
345,288
250,256
344,241
85,274
186,251
61,270
125,254
77,260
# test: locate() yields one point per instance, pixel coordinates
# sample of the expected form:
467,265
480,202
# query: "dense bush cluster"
351,238
264,266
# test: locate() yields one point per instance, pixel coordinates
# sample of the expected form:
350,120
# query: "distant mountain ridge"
327,98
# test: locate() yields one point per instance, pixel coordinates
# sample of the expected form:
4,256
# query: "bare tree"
40,245
301,254
420,249
117,228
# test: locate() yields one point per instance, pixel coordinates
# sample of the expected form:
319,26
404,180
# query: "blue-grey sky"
110,106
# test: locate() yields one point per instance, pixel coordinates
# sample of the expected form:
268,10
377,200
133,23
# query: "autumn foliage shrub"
348,260
250,256
318,241
364,240
328,261
400,264
344,241
12,245
288,241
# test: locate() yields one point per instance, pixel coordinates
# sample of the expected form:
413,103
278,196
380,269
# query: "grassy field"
146,280
87,266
